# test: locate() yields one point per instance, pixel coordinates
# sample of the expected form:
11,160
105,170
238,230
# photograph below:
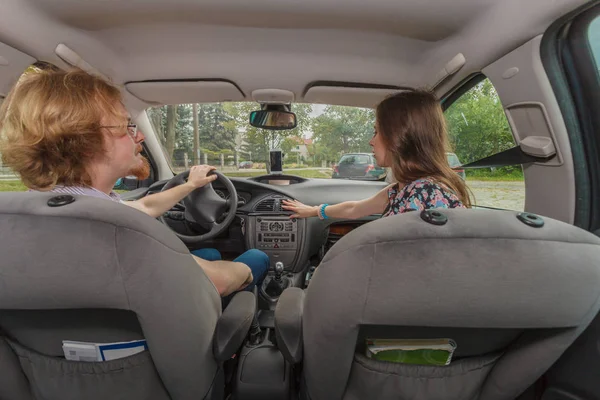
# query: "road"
499,194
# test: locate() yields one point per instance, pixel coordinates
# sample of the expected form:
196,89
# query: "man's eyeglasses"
131,129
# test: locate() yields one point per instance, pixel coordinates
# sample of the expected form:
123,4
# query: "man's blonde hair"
50,126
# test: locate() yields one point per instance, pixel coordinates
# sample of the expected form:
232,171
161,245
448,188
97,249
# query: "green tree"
196,152
254,144
174,125
477,125
184,132
172,122
342,130
170,131
216,128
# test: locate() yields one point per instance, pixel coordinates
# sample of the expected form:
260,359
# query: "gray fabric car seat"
96,271
512,296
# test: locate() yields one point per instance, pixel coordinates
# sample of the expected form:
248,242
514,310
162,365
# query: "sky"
317,109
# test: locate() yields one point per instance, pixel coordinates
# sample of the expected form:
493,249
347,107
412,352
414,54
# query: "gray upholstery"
13,383
95,270
53,378
522,295
233,326
288,324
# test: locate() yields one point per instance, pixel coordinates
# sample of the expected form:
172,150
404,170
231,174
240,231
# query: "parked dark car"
245,164
363,165
358,166
455,164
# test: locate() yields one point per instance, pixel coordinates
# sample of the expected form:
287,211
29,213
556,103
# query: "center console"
276,232
262,371
269,228
277,235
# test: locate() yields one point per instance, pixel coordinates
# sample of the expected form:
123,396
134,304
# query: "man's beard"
141,171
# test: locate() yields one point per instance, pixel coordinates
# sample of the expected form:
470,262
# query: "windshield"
328,139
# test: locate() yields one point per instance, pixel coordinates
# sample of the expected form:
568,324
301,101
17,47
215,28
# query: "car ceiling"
280,44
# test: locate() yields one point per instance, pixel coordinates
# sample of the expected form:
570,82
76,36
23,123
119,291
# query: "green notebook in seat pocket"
412,351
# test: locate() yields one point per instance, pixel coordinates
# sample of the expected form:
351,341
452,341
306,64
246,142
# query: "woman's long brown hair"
413,127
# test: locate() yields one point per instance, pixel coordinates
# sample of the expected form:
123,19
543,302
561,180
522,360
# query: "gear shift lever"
278,271
276,285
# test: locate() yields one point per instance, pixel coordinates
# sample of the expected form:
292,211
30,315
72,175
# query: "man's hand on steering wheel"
198,175
204,208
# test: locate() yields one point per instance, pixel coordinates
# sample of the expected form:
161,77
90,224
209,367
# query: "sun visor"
348,96
185,92
12,64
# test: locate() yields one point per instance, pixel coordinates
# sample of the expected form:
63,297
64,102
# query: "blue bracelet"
323,211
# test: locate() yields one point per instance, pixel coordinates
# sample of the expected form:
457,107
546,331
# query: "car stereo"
276,233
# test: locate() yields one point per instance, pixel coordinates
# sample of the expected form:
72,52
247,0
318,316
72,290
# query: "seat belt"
512,156
531,149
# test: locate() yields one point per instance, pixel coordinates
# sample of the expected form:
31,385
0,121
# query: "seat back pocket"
54,378
461,380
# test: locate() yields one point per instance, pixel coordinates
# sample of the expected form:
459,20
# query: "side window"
478,128
348,160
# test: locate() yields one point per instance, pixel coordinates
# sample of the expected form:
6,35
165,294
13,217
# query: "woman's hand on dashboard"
300,210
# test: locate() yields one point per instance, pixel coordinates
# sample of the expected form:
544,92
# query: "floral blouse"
420,195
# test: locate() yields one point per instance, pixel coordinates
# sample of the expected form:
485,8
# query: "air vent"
332,239
266,205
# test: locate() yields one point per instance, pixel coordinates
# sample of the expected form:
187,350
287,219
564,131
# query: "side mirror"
126,183
118,184
273,119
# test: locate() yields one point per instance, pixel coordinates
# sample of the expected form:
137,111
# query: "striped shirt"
86,191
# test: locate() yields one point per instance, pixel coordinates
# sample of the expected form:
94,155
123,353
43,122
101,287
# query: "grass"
12,186
507,178
506,174
17,186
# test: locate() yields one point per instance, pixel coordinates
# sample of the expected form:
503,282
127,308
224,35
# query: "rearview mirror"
273,119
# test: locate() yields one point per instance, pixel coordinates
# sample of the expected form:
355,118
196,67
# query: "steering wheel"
204,207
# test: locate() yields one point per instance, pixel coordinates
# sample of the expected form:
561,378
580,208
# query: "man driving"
68,132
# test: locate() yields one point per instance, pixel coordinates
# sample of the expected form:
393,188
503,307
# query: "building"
302,148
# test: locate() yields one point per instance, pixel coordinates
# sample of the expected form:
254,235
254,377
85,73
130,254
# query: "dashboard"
243,197
262,223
